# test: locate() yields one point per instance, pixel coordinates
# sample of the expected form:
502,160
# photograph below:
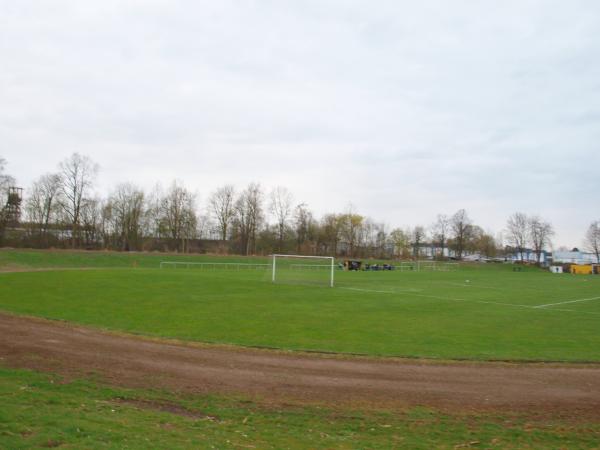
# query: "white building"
529,256
573,257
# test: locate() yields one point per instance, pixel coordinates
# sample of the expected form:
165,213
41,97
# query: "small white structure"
556,269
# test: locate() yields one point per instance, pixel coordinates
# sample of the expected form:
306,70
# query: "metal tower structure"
11,213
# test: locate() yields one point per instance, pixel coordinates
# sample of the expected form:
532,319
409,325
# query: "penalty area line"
381,292
438,297
474,285
568,301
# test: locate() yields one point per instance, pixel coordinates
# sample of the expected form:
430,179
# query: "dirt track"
283,377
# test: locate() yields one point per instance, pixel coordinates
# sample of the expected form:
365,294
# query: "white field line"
474,285
568,301
437,297
368,290
472,301
570,310
398,291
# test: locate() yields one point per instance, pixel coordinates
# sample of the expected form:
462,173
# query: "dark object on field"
352,264
378,267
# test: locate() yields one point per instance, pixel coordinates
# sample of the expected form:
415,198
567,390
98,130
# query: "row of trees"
61,209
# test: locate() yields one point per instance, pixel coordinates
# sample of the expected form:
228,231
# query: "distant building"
431,251
574,256
529,256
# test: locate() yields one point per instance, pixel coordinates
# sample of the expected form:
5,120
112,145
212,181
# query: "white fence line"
310,266
419,266
215,265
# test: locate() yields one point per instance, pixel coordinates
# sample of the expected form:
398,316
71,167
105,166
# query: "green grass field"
478,312
40,410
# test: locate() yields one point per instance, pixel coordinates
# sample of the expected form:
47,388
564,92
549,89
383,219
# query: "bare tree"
222,205
203,226
351,228
281,208
518,230
592,239
381,240
42,205
401,241
107,226
127,205
461,227
417,238
330,233
178,215
249,216
91,221
153,225
304,224
439,232
484,243
77,175
540,232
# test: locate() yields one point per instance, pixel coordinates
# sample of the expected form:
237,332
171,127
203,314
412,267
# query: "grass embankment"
39,410
52,259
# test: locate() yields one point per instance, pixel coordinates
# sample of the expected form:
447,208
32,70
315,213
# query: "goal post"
303,269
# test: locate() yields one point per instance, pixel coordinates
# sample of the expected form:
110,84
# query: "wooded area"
61,210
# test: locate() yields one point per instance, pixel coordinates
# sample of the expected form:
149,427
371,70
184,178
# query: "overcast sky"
404,109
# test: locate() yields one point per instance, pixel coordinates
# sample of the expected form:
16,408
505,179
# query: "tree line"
61,210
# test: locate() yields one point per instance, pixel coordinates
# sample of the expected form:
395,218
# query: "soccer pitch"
477,312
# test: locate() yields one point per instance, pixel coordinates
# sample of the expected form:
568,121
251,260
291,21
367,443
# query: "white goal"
299,269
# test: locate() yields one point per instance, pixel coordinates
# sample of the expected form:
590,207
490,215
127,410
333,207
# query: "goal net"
296,269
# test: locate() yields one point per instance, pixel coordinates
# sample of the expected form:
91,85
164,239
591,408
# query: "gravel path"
569,391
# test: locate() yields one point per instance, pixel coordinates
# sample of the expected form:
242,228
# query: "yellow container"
585,269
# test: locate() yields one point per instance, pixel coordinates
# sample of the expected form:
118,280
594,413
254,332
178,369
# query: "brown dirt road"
280,377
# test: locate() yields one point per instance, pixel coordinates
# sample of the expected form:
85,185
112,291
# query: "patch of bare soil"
15,268
565,391
165,407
